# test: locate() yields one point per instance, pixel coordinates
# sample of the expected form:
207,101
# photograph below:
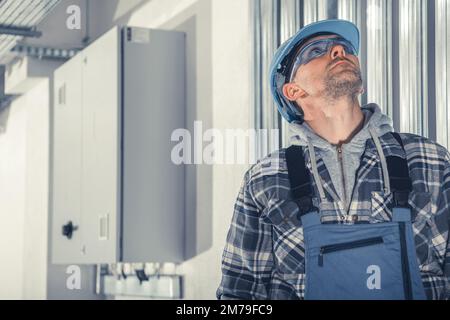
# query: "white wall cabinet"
115,193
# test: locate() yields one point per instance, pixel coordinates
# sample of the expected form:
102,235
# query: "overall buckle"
401,198
305,205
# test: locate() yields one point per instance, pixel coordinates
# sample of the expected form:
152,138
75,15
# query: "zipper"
347,245
405,264
356,179
341,164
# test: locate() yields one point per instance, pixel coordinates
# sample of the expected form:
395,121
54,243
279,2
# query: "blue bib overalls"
359,260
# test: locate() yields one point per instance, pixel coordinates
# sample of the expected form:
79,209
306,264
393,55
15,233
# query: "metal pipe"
19,31
98,279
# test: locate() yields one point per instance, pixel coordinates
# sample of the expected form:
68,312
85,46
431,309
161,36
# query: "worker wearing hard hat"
352,209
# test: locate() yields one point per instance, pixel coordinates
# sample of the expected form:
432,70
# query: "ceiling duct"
18,19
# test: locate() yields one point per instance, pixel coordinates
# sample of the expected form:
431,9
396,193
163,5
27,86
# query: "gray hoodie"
351,152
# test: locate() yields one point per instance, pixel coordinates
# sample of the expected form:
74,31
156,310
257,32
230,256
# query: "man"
351,210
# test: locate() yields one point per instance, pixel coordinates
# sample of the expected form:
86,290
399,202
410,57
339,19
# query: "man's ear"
362,90
293,92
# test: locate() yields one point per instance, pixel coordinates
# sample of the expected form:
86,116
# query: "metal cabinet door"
101,149
66,151
153,186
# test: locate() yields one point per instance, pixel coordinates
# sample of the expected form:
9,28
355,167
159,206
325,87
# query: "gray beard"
337,86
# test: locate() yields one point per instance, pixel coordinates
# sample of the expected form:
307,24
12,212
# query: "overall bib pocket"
324,250
354,262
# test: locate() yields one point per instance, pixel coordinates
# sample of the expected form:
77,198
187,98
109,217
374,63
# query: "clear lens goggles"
317,49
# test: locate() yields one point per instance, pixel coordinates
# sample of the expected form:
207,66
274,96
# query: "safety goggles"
317,49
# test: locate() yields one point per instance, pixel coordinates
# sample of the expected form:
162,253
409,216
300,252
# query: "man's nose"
337,51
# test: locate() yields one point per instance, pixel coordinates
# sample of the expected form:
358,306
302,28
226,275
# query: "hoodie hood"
299,134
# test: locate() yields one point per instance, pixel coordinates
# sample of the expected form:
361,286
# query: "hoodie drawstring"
314,169
387,185
384,167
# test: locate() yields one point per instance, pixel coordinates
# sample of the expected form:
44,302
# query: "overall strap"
300,180
399,178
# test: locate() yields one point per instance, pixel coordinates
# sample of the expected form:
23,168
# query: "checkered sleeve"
444,208
247,257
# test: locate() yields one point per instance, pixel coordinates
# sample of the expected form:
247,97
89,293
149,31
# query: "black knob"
68,229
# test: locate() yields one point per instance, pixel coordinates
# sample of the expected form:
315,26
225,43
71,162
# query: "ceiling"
24,14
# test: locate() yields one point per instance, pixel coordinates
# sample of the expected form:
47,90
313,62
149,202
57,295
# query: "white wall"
218,94
229,91
36,191
12,199
230,108
23,196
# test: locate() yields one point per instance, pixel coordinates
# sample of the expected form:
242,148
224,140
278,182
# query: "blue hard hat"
283,58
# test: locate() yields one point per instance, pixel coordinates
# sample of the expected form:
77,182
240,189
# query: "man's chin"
339,87
344,76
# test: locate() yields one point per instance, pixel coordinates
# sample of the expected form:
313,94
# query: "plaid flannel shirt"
264,253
